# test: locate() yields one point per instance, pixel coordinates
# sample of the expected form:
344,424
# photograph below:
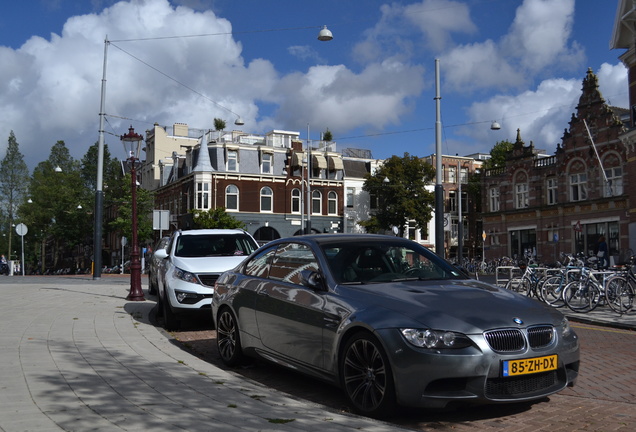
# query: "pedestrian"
4,266
603,253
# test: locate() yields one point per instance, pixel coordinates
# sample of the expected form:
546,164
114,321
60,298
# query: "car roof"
339,238
213,231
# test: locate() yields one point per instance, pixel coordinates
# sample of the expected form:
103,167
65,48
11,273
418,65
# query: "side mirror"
311,279
161,253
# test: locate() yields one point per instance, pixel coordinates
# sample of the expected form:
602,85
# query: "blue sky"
520,63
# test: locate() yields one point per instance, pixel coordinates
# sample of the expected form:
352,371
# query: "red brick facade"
565,202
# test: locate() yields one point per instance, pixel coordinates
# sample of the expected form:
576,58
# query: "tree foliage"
215,218
121,197
219,124
327,135
402,196
498,155
14,176
59,207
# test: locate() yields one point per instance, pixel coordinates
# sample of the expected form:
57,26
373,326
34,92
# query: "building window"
463,175
493,197
578,187
452,202
350,195
521,195
295,201
614,185
452,174
373,201
332,203
552,189
203,196
231,198
232,160
266,199
316,202
266,163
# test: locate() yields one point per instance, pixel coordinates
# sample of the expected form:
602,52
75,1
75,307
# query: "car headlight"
566,330
186,276
438,339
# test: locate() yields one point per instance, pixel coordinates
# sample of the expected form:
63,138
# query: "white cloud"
540,33
51,87
342,100
537,41
542,114
436,20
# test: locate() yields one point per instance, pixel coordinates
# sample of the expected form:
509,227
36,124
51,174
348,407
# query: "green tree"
58,213
14,180
400,187
215,218
88,164
327,135
498,155
121,199
219,124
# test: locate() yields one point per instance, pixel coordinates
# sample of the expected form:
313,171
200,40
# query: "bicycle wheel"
619,294
519,285
552,291
581,296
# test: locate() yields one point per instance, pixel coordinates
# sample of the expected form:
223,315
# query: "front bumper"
437,378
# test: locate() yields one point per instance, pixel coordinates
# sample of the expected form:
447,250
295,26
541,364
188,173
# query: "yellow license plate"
529,366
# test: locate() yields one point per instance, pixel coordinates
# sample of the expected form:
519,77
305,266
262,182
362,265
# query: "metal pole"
99,194
309,203
136,293
439,188
460,226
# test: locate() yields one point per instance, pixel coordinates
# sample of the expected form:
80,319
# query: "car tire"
228,340
366,376
152,287
170,320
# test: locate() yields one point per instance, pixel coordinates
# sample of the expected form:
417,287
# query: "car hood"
217,264
466,306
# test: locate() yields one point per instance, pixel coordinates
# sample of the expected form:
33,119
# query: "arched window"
521,190
614,174
295,201
332,203
267,198
316,202
577,175
231,198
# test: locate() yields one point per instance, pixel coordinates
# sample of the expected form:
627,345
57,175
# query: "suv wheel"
170,320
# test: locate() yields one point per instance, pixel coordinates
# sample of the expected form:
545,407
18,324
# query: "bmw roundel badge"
518,320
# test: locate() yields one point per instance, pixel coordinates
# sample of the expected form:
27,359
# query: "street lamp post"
132,146
439,188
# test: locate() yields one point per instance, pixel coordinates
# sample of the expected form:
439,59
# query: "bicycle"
552,287
621,289
529,282
585,294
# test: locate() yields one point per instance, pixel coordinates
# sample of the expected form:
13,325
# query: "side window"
259,264
290,260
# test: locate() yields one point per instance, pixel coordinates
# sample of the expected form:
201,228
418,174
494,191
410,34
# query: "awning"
335,163
297,159
318,162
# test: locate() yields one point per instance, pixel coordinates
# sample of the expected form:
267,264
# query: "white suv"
190,265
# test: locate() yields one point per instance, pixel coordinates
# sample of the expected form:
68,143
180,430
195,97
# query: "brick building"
545,205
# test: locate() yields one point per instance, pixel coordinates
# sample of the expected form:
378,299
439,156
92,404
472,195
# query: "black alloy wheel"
366,376
228,340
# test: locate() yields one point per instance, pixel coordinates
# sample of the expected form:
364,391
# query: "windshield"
206,245
359,263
